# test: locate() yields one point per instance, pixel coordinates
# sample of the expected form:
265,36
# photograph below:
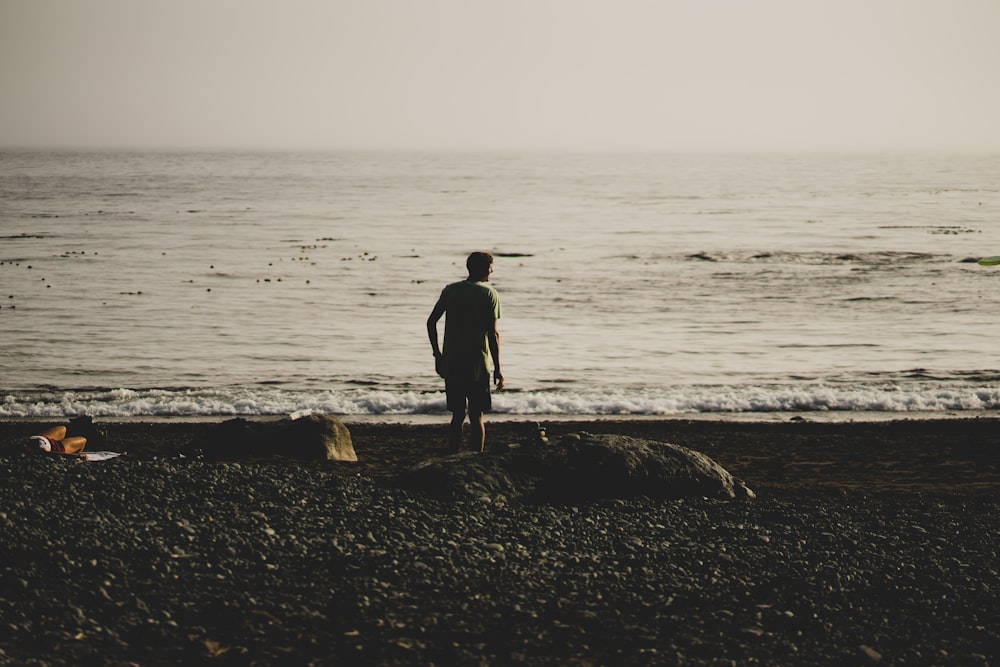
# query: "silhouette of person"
471,308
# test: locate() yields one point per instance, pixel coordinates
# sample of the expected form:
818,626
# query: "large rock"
580,466
313,437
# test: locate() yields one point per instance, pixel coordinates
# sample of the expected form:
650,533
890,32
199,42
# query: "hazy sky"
656,75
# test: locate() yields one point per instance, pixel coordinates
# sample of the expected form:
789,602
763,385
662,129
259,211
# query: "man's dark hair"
479,263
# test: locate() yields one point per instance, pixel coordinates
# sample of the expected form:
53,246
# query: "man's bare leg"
455,431
55,432
478,431
74,444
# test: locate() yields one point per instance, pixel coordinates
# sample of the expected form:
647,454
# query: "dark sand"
869,543
945,455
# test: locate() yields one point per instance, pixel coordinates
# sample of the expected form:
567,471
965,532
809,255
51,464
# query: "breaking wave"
122,402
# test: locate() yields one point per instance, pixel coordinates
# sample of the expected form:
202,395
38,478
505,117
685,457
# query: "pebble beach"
868,543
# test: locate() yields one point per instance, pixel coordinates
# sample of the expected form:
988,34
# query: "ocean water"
153,284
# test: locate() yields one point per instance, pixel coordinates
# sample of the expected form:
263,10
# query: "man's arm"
493,338
432,329
432,334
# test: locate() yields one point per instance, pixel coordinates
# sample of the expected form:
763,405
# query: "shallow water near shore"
262,284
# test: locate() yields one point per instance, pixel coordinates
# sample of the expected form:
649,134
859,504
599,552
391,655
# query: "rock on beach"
580,466
310,437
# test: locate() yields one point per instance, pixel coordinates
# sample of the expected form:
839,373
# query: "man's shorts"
462,390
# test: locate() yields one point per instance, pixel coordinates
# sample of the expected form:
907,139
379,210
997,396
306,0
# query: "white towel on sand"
99,456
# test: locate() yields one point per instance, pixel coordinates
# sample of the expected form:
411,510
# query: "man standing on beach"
470,338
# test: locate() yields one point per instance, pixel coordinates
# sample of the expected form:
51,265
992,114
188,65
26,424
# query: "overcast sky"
566,75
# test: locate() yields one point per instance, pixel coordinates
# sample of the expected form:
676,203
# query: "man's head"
479,264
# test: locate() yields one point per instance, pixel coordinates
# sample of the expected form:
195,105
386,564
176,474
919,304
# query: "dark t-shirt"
471,309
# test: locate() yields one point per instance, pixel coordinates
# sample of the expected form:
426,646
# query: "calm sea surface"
213,284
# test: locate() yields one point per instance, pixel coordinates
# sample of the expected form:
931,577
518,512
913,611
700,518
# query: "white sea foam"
661,402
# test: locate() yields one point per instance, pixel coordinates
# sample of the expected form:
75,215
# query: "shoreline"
822,416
